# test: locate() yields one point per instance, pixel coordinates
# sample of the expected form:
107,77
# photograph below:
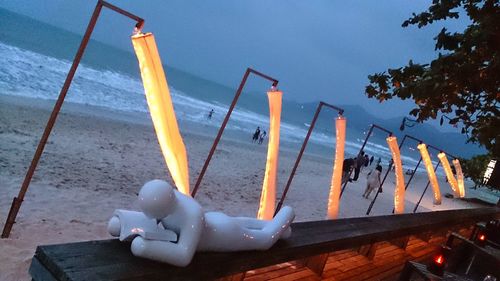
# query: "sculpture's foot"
287,233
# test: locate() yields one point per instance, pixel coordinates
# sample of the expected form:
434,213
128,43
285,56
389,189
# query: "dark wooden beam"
112,260
369,250
316,263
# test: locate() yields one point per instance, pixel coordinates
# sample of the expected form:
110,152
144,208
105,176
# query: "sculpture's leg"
251,223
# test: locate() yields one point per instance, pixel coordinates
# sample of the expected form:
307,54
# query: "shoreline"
96,160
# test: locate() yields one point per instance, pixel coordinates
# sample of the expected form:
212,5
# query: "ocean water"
33,67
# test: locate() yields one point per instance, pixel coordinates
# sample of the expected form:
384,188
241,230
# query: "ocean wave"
30,74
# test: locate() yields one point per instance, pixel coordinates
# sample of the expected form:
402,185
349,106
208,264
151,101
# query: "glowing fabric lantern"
430,172
399,191
449,174
161,109
333,198
460,178
268,196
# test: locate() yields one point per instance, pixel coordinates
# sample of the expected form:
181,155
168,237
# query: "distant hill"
358,117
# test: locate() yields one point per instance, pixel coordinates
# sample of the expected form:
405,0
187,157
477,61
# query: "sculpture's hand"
114,226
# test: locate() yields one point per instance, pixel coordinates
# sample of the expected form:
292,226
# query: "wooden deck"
386,264
370,248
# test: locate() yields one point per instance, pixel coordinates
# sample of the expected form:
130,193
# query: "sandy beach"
96,160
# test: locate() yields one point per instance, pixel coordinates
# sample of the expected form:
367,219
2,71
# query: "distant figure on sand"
210,114
196,229
373,181
347,166
360,162
378,161
262,136
256,135
371,160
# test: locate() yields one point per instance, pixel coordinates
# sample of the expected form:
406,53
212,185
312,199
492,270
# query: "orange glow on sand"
460,178
399,191
449,174
430,172
268,196
161,109
333,198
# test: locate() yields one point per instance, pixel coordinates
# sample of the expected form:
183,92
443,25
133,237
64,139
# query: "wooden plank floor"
387,263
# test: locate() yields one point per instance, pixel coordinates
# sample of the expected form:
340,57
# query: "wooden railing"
112,260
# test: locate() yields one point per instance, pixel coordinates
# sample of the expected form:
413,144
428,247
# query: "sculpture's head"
157,199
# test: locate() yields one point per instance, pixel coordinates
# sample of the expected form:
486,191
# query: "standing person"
210,114
371,160
262,136
373,181
256,135
378,161
367,160
360,162
347,166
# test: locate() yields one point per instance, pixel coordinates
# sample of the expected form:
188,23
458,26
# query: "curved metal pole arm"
275,82
224,123
139,20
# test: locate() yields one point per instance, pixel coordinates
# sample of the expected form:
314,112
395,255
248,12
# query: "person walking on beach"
373,181
378,161
210,114
347,166
371,160
360,162
262,136
256,135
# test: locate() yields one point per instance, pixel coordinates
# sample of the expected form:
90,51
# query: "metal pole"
422,196
411,177
416,167
299,157
16,203
302,149
224,123
386,173
361,149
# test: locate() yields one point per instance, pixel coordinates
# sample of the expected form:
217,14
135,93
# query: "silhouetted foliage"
463,82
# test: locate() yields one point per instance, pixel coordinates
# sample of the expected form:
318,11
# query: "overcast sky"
319,50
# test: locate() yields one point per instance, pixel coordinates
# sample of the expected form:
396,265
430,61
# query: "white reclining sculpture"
186,228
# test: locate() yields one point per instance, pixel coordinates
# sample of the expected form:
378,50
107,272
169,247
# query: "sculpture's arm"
180,253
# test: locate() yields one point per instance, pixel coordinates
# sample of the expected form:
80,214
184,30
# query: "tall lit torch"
161,109
430,172
460,178
333,198
268,196
449,174
399,191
